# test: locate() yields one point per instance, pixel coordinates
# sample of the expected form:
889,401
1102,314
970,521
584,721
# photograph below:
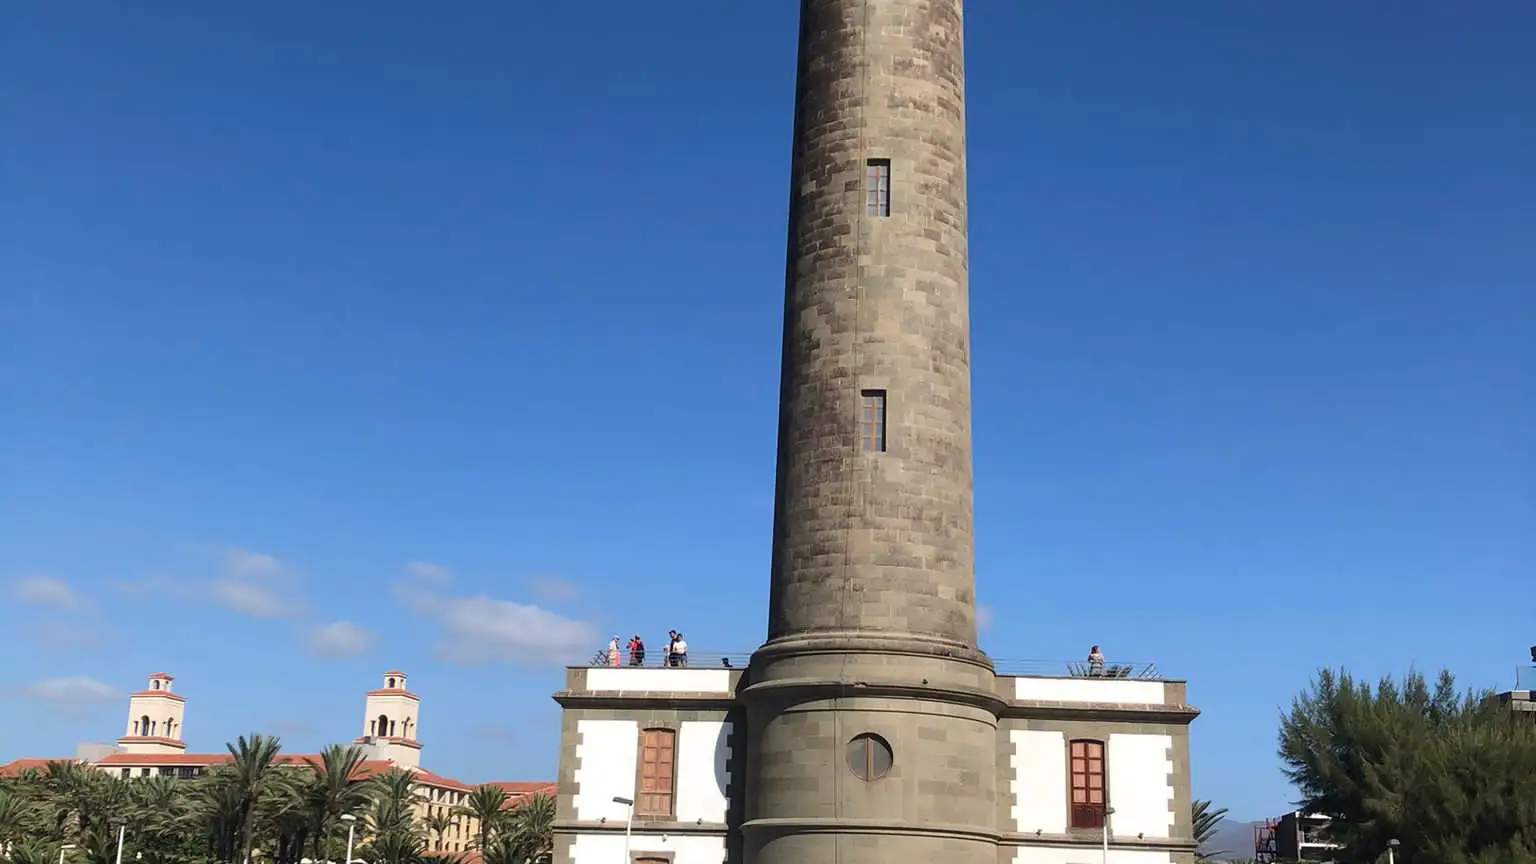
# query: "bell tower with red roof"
154,719
389,722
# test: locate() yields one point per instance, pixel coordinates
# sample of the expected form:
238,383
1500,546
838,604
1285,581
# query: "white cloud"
339,639
245,564
431,574
256,585
984,616
553,590
40,590
257,601
482,629
69,692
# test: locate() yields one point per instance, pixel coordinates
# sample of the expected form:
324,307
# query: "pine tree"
1450,775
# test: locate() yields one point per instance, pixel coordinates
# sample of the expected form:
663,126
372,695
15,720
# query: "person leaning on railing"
1095,662
677,650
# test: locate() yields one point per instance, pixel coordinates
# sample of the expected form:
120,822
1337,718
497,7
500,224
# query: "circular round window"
869,756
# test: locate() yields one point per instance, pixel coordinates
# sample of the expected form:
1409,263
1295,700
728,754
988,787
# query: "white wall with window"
673,773
1062,785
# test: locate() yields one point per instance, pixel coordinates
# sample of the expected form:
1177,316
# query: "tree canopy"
1451,775
257,808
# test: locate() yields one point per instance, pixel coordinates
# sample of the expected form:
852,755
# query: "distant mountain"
1232,841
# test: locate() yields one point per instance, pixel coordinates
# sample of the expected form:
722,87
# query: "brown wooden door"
1087,769
658,768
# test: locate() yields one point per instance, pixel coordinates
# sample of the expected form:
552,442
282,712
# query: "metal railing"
1076,669
1020,668
658,660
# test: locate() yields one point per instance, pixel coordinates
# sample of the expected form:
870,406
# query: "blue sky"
295,295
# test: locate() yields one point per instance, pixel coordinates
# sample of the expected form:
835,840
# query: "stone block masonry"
876,304
871,714
869,728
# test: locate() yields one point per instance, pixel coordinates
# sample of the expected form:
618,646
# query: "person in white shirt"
678,655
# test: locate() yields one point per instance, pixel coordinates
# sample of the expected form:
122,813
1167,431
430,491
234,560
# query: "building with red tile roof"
153,746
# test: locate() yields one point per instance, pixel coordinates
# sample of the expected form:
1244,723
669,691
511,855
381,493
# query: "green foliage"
1205,822
531,829
255,804
487,805
1450,775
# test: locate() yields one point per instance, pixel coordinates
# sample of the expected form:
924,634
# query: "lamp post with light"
629,821
351,827
122,833
1392,850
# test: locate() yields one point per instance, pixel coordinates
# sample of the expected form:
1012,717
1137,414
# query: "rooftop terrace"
1135,692
1008,668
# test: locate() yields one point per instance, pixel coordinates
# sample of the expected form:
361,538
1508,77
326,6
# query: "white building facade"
1073,753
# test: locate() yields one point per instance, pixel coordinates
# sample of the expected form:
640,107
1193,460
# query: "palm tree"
219,813
397,839
486,805
339,788
159,811
1205,821
34,851
13,818
503,850
70,790
286,815
252,773
531,828
395,800
399,847
30,816
438,823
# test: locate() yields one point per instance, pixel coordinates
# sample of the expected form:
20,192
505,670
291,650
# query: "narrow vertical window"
1088,790
877,187
872,421
658,762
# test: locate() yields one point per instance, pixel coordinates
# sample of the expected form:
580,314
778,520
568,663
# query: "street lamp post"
1108,812
65,848
122,832
351,827
1392,850
629,821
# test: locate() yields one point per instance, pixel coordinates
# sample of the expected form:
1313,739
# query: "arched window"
383,726
144,725
658,773
1090,793
389,683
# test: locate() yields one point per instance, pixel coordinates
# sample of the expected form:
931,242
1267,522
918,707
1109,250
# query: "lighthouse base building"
1073,752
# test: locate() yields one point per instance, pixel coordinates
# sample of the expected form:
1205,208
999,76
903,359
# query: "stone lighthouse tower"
871,714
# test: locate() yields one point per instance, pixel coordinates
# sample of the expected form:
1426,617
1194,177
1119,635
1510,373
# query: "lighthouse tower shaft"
872,720
873,520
